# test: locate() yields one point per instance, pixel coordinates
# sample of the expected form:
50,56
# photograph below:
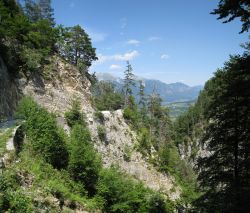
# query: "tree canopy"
231,9
225,172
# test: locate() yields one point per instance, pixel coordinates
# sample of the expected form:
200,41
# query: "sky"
168,40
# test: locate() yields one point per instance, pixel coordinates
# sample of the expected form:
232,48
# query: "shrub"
157,204
43,133
74,116
121,193
102,133
13,199
130,115
106,98
99,115
127,153
32,58
84,163
144,141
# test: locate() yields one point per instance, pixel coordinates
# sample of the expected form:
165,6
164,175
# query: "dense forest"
69,167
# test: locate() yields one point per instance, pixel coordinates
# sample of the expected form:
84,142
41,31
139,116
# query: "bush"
106,98
99,115
144,141
43,134
123,194
31,58
127,153
74,116
13,199
102,133
131,115
84,163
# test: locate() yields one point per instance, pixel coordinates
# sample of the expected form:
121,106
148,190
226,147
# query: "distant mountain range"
173,92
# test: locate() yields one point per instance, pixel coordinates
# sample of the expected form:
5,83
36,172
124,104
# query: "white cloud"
118,57
164,56
133,41
102,58
127,56
96,36
115,67
154,38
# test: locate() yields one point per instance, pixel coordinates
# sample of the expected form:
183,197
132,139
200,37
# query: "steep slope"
119,148
9,91
57,86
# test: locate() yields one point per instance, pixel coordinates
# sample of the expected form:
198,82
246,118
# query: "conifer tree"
142,98
38,10
129,82
231,9
225,173
76,47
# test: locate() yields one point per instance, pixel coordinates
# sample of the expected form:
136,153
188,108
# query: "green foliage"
231,9
32,59
106,98
43,133
39,10
224,174
169,158
144,140
74,116
26,43
130,115
127,153
84,163
99,115
157,204
75,46
29,37
23,182
13,199
128,83
102,133
123,194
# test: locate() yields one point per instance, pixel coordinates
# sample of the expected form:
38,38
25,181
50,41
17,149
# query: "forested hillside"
71,143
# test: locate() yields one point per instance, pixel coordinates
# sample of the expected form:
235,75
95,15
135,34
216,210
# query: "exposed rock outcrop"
55,89
119,139
9,91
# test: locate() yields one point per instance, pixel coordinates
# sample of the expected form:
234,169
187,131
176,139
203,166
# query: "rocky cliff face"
9,92
119,148
55,89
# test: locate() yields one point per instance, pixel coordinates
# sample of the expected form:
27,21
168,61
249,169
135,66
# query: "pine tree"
38,10
84,163
129,82
32,10
231,9
47,11
76,47
142,98
225,173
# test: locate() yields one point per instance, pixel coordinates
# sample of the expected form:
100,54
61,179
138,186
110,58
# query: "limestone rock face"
9,92
120,138
56,88
56,91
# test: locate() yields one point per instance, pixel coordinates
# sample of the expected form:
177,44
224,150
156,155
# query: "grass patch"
42,185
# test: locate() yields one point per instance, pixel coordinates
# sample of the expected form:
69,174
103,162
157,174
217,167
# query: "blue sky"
168,40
